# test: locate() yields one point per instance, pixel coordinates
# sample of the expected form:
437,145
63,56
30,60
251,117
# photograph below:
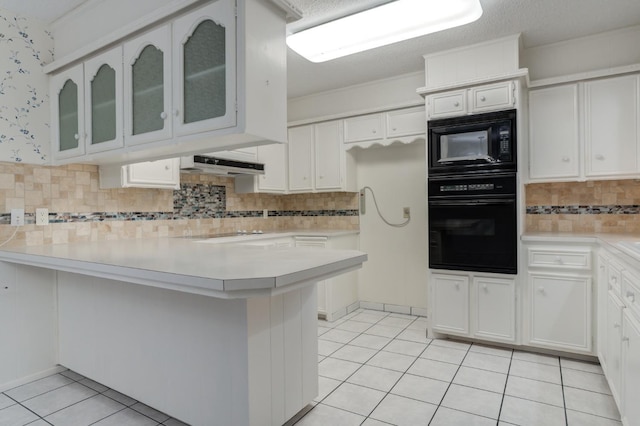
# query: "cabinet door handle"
485,287
374,131
167,167
76,137
541,290
163,115
456,104
483,98
616,325
600,157
176,113
565,159
457,286
625,339
631,296
394,129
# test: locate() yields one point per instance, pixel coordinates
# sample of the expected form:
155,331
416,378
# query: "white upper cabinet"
301,142
317,159
329,156
406,122
404,125
210,79
585,130
103,101
611,126
147,87
67,113
474,100
364,128
274,179
554,133
204,48
162,174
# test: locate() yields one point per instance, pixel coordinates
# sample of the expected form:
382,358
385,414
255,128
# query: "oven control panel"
468,187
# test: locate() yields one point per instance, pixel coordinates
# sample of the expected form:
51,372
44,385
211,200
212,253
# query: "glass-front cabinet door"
147,87
67,113
103,101
204,50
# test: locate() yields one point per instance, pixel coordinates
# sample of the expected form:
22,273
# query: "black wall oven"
472,223
472,196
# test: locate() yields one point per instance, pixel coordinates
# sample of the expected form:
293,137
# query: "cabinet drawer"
492,97
364,128
450,103
561,259
614,277
631,292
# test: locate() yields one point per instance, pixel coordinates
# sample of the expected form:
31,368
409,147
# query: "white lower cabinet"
336,295
631,367
619,330
474,306
558,302
560,312
450,295
495,309
612,317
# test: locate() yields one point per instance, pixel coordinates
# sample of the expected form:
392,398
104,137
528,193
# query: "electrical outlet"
42,216
17,217
363,204
265,213
406,212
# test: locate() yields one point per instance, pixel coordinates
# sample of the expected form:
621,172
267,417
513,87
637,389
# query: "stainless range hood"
219,166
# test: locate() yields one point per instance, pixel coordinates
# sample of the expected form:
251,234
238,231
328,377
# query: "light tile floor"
375,368
378,368
69,399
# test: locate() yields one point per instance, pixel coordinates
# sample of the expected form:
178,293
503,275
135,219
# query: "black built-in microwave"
473,144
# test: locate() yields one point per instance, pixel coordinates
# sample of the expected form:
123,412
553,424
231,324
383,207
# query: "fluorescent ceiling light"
392,22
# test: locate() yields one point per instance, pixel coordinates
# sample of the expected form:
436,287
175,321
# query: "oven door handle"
470,203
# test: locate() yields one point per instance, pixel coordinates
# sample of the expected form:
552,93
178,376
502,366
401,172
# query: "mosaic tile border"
603,209
29,218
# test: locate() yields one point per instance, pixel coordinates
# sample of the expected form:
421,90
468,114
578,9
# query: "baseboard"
30,378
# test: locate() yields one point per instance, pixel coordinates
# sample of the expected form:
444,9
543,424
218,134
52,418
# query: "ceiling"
540,22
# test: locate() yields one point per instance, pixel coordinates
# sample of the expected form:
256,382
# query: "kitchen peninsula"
208,333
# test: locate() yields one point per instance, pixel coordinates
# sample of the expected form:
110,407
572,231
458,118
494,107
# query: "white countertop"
184,264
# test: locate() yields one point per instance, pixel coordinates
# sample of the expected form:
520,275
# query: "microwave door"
469,146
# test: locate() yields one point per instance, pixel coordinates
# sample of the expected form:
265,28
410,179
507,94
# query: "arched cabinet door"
67,113
103,101
147,87
205,65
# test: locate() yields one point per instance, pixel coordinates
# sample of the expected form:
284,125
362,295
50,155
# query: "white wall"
362,98
396,271
596,52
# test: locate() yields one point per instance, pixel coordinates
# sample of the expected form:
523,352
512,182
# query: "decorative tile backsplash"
205,204
25,47
611,206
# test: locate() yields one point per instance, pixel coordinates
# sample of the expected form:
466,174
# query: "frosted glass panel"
68,116
103,105
148,91
204,73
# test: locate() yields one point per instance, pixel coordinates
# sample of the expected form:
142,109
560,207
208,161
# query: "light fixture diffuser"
389,23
